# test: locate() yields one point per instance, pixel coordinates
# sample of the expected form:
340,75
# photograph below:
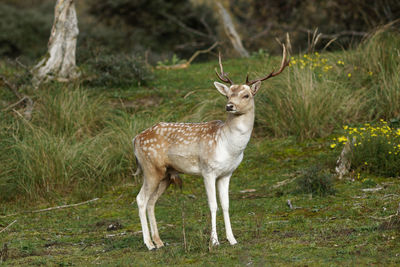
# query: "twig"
262,33
390,195
53,208
183,225
15,104
65,206
187,63
183,25
383,218
22,99
8,226
20,64
372,189
289,203
335,35
11,87
388,217
282,183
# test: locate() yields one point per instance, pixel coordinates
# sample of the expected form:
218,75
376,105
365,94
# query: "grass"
78,146
339,229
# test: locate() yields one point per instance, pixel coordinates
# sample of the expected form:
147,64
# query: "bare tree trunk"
343,163
231,31
59,62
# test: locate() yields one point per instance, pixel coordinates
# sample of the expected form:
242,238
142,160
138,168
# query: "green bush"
375,149
24,31
378,62
315,181
118,70
159,25
331,17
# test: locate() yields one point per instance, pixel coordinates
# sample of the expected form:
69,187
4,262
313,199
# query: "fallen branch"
372,189
184,26
21,99
388,217
53,208
183,226
187,63
282,183
8,226
289,203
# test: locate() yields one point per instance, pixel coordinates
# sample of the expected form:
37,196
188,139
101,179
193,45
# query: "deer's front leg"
209,182
223,190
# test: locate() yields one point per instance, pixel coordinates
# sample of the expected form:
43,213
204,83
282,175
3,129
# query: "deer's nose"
229,107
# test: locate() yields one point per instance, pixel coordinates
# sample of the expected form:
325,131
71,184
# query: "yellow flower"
370,73
366,163
345,127
349,75
342,139
333,145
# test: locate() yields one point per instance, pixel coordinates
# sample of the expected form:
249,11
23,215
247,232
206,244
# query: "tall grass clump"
320,92
74,146
308,101
377,63
71,112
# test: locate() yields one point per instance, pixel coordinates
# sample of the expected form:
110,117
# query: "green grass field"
339,229
78,147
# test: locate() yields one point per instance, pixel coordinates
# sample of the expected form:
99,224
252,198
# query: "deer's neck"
237,130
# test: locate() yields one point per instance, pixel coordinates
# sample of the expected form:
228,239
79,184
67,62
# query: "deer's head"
241,96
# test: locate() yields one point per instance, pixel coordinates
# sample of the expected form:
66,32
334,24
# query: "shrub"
24,31
118,70
75,145
376,149
159,24
315,181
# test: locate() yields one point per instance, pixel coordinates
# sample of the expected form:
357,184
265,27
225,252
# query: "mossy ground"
340,229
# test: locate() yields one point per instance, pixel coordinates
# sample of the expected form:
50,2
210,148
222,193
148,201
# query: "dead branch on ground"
8,226
53,208
22,99
187,63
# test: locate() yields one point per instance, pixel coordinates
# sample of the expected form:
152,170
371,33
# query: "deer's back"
181,146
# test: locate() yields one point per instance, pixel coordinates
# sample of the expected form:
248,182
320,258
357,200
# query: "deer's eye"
246,96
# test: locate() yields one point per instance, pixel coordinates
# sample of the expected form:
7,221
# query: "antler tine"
284,64
223,76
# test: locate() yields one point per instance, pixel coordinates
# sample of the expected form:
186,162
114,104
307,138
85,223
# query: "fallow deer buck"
210,149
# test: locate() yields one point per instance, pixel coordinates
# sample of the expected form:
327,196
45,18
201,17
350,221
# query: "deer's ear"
254,88
222,88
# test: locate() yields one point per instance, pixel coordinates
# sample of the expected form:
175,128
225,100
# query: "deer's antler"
284,64
223,76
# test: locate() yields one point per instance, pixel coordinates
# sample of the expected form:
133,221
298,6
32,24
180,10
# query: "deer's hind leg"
150,211
151,182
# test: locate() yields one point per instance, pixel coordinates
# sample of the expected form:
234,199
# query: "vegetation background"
342,83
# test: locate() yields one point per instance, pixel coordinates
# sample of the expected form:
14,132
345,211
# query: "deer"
211,149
